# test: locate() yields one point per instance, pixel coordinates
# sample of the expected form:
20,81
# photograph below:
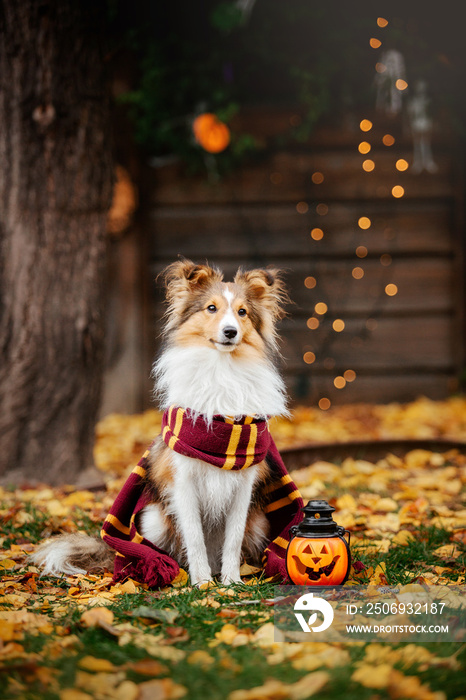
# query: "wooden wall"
400,346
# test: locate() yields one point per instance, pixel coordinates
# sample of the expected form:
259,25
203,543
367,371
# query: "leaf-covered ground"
81,637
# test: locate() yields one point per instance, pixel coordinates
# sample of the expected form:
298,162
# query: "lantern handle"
342,531
293,530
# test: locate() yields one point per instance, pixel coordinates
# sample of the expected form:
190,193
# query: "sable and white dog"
218,359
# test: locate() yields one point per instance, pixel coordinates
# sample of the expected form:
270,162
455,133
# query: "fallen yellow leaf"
91,663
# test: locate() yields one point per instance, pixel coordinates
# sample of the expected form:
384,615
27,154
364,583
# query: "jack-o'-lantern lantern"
210,133
318,554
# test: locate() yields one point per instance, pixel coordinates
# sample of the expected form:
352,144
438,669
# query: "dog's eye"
211,308
242,312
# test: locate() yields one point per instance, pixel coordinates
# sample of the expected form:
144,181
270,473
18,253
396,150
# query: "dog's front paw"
230,577
200,578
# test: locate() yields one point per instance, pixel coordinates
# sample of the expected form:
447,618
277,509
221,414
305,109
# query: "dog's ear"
185,277
265,287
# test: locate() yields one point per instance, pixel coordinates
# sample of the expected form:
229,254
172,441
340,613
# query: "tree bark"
55,190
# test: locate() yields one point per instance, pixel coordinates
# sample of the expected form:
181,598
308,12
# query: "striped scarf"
227,444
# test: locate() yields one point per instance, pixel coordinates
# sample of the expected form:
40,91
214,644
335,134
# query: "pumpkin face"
317,561
212,134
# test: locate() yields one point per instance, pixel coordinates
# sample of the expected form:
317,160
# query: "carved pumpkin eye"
324,550
211,308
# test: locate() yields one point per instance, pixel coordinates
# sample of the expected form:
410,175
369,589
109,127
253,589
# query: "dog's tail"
73,554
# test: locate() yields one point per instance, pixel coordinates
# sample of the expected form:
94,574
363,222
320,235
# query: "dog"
219,358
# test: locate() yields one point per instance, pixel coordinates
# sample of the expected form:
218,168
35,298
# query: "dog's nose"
230,332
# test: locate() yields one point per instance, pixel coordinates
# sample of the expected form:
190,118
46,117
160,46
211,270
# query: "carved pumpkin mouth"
312,573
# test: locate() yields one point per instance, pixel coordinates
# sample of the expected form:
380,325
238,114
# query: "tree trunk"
55,190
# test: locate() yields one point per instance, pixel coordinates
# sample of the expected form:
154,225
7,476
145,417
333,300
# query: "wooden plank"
395,344
234,231
380,388
287,176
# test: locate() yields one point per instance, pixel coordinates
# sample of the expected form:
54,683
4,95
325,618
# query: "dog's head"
232,317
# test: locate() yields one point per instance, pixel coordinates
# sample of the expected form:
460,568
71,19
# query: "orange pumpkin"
318,554
322,561
210,133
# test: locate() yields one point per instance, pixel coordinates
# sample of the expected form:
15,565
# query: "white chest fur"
213,490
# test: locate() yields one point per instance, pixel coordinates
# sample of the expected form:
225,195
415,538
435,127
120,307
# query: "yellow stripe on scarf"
250,454
169,421
176,430
282,502
117,524
278,484
230,460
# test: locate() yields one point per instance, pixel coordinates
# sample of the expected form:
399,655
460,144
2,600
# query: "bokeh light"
398,191
321,308
338,325
391,290
364,222
309,357
339,382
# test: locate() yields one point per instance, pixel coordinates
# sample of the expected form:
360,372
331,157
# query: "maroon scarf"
227,444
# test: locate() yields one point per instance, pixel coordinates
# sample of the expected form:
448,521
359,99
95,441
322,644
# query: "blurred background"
337,154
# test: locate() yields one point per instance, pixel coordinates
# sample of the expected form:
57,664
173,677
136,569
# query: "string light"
361,251
401,164
368,165
324,404
375,43
371,324
358,273
309,358
365,125
385,259
391,290
321,308
310,282
317,234
322,209
349,375
388,140
380,67
364,222
401,84
302,207
338,325
364,147
382,22
313,323
398,191
317,178
339,382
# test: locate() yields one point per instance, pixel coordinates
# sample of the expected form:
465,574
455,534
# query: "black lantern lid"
318,521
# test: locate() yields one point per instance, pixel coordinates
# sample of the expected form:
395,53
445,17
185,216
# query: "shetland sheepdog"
219,358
